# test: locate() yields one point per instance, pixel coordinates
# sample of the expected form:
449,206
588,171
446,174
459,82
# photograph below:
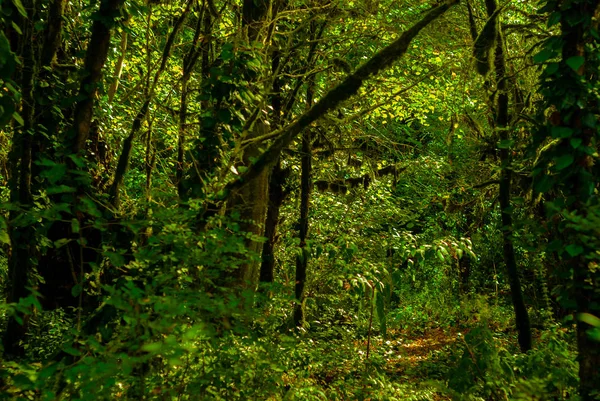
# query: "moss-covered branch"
346,89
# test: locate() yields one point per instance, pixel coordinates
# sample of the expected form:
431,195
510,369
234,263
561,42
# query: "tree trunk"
305,186
189,62
276,198
276,181
95,59
112,90
502,126
20,265
252,200
124,158
585,279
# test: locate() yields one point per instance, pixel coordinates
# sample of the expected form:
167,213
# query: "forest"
300,200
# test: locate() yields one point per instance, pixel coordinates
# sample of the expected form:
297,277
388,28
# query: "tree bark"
305,186
252,201
95,58
112,90
189,62
502,126
20,264
276,198
585,279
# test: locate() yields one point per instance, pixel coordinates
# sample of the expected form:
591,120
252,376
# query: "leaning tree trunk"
342,92
63,269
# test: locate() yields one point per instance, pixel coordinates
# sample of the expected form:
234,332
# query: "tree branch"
346,89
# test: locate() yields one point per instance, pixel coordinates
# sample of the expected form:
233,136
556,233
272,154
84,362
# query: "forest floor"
405,365
419,357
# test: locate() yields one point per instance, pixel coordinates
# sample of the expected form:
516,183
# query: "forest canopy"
299,200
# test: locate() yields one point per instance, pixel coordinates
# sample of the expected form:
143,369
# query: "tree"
567,143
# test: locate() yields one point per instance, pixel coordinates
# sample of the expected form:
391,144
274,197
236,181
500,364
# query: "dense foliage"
291,200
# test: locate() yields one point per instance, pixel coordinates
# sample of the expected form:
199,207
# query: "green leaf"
116,259
589,120
554,18
574,250
506,143
87,205
20,7
18,118
564,161
594,334
227,51
78,160
575,62
16,28
55,173
542,56
561,132
75,225
76,290
589,319
60,189
71,350
152,347
544,184
551,68
575,142
61,242
4,238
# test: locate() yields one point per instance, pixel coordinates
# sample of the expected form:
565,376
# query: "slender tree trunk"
276,180
125,157
112,90
502,126
189,62
20,264
305,187
276,198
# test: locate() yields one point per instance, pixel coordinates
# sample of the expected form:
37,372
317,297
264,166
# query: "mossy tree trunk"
305,189
281,114
489,53
502,125
252,201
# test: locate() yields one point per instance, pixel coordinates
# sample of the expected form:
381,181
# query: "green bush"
486,369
